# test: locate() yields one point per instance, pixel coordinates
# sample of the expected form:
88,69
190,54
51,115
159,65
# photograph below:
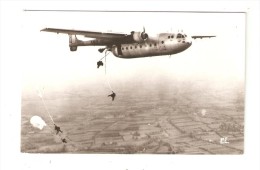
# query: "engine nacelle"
73,42
139,36
73,48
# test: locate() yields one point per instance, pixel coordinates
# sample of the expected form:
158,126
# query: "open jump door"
119,50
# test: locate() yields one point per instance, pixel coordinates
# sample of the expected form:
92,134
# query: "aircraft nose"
189,41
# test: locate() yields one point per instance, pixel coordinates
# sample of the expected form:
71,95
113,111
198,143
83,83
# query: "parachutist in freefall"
57,128
99,63
113,95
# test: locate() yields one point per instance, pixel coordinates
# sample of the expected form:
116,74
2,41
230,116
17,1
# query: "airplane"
133,45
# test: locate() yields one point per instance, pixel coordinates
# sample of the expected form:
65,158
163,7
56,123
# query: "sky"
49,62
35,58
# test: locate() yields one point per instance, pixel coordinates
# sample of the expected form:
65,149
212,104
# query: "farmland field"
179,118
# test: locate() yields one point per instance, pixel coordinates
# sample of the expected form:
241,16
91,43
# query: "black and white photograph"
130,81
169,83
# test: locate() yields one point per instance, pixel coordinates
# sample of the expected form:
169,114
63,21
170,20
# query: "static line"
109,84
40,94
47,111
106,74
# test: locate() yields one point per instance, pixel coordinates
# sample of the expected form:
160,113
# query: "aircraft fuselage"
161,44
133,45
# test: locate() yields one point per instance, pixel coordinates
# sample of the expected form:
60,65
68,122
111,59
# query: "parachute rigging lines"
40,94
38,122
64,138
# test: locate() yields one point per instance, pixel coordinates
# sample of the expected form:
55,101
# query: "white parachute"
203,112
37,122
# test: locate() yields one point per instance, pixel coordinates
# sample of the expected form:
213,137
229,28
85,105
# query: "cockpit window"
179,35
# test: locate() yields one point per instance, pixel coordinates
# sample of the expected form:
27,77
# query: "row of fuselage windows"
136,46
170,36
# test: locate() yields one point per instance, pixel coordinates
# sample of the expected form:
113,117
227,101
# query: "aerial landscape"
191,102
181,118
129,86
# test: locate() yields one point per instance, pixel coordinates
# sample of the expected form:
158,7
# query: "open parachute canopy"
37,122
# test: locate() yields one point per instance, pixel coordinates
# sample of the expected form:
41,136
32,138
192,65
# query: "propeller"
144,35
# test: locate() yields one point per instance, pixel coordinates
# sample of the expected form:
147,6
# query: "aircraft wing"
90,34
199,36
